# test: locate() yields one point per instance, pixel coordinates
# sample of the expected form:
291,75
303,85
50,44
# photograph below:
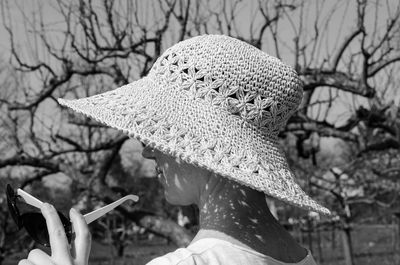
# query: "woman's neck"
240,215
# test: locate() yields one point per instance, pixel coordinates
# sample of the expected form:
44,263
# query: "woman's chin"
175,200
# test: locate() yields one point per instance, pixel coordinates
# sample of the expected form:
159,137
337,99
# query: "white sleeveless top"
211,251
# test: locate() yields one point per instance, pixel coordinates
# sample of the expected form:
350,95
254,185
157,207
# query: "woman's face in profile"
182,182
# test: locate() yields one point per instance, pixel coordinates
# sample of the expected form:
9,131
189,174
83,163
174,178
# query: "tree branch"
313,78
322,129
23,160
341,50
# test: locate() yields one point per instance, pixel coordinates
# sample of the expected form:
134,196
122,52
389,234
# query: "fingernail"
72,211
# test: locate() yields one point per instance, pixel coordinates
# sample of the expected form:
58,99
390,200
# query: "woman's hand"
61,252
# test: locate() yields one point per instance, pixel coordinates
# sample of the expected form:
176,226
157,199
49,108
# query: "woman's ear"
148,152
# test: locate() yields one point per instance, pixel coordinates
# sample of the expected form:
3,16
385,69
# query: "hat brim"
174,122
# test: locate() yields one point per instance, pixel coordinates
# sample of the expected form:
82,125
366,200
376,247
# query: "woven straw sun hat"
216,102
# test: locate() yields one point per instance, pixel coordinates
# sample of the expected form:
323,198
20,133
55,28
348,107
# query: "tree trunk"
398,243
309,234
397,240
333,237
319,242
347,246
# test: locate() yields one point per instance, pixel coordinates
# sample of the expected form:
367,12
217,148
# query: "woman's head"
183,182
186,184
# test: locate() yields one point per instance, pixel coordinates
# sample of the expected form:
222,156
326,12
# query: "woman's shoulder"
217,251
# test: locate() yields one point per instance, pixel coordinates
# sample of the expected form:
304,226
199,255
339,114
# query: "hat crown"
234,76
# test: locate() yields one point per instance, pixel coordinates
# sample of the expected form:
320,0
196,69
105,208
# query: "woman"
209,113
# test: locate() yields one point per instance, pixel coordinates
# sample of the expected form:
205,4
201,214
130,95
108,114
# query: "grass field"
372,244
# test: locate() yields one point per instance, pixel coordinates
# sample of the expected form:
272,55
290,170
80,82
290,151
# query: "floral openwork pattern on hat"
249,103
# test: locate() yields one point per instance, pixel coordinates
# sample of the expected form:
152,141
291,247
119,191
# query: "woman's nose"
148,152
